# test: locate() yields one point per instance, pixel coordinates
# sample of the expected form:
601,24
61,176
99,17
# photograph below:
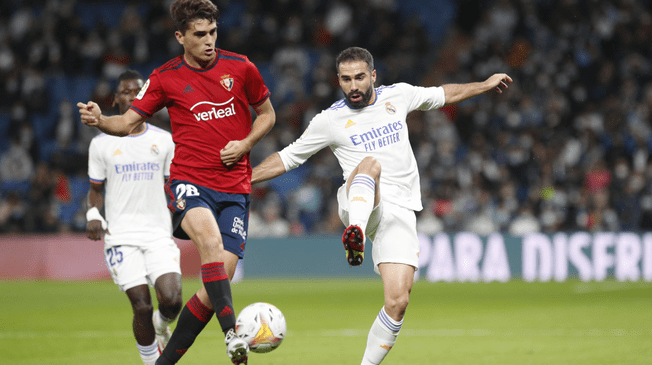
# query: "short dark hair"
355,54
185,12
130,75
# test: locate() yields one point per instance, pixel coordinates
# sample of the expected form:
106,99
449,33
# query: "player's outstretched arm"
270,168
116,125
456,93
265,120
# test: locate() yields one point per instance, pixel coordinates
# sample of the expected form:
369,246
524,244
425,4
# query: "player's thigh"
397,279
126,265
201,226
395,240
162,257
186,197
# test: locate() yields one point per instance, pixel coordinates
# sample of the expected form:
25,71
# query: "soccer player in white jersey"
138,244
367,133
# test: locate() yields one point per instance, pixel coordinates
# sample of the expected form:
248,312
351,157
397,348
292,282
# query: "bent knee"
369,166
398,303
170,306
143,309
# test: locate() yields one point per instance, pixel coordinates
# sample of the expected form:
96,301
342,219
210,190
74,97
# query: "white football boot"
163,334
236,348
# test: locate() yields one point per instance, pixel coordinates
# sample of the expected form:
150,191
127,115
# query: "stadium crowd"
567,149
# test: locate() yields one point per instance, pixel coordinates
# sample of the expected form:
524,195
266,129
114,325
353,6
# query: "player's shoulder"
172,64
399,90
102,138
158,133
337,106
154,129
393,88
223,54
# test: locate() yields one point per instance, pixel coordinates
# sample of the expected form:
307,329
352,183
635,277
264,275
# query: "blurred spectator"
268,223
16,164
524,223
12,213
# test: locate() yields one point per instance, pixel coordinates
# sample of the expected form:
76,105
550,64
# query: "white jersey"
135,168
378,130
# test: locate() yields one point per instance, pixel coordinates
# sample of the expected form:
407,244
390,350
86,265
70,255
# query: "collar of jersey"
217,56
346,101
141,133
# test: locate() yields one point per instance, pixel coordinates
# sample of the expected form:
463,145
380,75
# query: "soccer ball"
262,326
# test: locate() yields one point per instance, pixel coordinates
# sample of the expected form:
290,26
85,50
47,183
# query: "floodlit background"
537,202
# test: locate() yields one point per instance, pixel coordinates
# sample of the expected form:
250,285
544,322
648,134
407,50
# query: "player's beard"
364,101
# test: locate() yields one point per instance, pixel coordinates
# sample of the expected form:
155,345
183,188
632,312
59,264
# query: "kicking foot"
236,348
353,240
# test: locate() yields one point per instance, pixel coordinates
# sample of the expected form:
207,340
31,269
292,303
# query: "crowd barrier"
460,257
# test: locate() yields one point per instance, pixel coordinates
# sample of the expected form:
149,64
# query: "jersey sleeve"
313,139
257,91
151,97
423,98
96,165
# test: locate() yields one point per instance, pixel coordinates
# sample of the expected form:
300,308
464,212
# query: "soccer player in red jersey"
208,92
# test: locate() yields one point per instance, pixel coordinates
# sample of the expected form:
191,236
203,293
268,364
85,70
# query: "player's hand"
90,113
233,152
499,82
94,230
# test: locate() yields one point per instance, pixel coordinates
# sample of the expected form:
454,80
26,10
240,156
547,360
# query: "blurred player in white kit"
138,245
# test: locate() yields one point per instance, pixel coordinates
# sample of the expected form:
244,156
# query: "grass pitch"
447,323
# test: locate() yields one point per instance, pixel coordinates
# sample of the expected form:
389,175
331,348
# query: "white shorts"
131,266
392,229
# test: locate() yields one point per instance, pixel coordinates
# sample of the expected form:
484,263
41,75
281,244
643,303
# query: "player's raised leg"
397,283
363,195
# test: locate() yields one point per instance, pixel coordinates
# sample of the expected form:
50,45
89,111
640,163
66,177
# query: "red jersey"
208,108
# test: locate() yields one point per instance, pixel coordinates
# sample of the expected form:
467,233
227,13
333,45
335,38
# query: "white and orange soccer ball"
262,326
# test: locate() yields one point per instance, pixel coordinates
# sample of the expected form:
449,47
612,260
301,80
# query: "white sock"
160,322
362,193
149,354
381,339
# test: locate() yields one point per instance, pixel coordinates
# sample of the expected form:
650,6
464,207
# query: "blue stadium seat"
95,12
20,186
78,189
44,126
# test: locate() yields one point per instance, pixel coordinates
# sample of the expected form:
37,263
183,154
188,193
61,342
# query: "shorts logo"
389,108
154,149
238,228
358,199
227,82
181,204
